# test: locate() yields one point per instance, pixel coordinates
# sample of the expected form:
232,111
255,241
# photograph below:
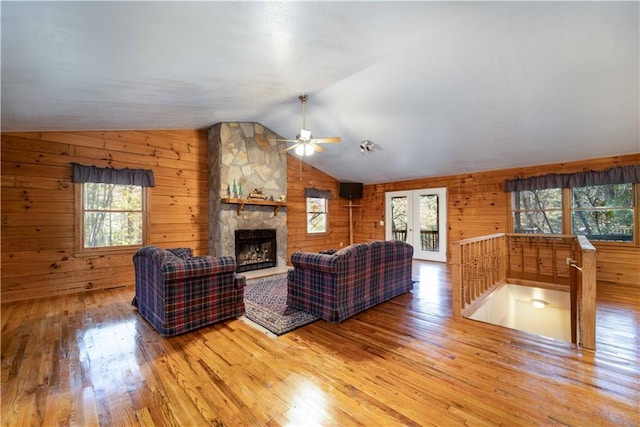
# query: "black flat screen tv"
351,190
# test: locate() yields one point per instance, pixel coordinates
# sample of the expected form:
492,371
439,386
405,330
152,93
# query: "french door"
419,217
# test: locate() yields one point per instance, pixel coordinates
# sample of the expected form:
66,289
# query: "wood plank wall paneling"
338,217
477,205
38,205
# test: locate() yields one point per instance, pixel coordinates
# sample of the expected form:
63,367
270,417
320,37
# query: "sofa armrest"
197,266
313,261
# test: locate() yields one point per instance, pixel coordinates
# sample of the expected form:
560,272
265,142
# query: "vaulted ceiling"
439,87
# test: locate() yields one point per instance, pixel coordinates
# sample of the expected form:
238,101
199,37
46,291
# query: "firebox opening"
255,249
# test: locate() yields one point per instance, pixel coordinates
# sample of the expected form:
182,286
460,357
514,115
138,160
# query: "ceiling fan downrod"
303,99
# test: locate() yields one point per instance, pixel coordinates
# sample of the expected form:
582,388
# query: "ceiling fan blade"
291,148
318,148
328,140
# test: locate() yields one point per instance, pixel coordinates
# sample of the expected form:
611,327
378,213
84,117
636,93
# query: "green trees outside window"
538,211
112,215
599,212
603,212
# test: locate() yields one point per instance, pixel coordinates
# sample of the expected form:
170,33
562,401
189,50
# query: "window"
538,211
317,204
603,212
601,205
316,215
112,215
111,208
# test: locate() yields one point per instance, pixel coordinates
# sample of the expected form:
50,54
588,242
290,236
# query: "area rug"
265,301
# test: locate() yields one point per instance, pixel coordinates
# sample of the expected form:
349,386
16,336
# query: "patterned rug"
265,300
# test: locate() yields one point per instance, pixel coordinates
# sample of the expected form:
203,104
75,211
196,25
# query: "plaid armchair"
337,286
177,293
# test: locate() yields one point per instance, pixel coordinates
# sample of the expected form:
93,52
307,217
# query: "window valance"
617,175
318,194
126,176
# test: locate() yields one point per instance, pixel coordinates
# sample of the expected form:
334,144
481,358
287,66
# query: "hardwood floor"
89,359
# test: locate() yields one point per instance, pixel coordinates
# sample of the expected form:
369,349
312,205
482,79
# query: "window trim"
81,251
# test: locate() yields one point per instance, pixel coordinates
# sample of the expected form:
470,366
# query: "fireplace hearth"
255,249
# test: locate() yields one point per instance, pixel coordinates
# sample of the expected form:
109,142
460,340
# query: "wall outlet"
381,222
341,244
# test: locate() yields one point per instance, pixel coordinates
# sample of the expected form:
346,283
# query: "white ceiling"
440,87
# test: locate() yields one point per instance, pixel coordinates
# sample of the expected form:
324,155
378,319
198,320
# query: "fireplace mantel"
241,202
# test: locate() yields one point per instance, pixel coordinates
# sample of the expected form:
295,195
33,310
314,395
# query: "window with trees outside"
538,211
601,205
112,215
603,212
111,208
316,215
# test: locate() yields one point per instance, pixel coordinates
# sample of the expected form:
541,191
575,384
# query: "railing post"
574,287
456,278
503,259
587,307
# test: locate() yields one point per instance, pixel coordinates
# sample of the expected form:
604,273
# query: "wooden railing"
478,267
560,262
429,239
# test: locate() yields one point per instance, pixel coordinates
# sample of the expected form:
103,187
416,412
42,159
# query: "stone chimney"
247,156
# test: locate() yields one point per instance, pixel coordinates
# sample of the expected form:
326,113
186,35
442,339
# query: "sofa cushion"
183,253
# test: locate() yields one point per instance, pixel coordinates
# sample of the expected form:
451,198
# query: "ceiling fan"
305,144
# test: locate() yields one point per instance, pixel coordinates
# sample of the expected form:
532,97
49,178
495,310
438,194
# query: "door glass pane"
429,232
399,218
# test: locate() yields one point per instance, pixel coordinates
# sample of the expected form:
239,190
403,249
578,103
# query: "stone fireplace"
244,157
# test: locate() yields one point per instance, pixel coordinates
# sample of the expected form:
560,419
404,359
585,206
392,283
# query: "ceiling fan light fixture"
308,149
305,144
304,149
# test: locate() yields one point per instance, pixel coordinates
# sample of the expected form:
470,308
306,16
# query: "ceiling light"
366,145
305,149
308,149
538,303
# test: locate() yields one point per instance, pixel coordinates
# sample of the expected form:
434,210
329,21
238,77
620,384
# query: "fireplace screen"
255,249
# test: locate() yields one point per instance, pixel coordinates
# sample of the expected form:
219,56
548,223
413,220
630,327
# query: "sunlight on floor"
427,273
308,406
109,346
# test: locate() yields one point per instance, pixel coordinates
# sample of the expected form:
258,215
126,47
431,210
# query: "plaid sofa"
177,293
353,279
